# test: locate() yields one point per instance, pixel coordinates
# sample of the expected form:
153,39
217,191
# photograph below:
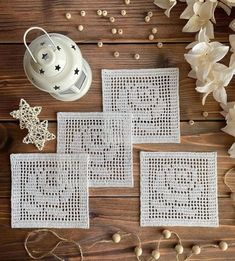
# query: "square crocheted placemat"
106,137
49,190
179,189
151,95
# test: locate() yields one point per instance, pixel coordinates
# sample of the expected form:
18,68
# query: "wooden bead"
137,56
112,19
68,16
223,245
154,30
166,233
83,13
196,250
179,249
156,254
123,12
120,31
80,28
116,238
138,251
99,12
191,122
151,37
127,2
114,30
104,13
205,114
100,44
116,54
150,14
159,45
232,196
147,19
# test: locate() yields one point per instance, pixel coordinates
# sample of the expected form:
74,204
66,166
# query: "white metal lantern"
54,64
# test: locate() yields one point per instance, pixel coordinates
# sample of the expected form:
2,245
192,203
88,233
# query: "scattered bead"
160,45
80,28
123,12
138,251
166,233
191,122
137,56
232,196
151,37
114,30
150,14
100,44
154,30
112,19
179,249
127,2
116,54
104,13
68,16
120,31
83,13
99,12
156,254
205,114
116,238
147,19
196,250
223,245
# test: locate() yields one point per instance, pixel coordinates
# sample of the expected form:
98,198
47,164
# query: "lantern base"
79,89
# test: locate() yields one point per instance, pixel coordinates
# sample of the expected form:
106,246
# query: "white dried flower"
218,78
204,55
166,4
203,14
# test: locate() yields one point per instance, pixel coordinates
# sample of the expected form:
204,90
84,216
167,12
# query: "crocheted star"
26,115
39,135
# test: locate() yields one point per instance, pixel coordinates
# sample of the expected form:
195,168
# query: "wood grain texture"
110,207
14,84
17,16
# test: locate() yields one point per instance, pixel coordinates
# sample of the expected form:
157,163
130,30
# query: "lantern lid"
53,62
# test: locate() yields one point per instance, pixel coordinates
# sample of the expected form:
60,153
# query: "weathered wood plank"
14,85
17,16
203,136
107,215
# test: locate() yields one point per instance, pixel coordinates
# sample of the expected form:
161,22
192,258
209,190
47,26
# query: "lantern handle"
25,43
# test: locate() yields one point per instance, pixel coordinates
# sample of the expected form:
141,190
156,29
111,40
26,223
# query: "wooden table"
110,207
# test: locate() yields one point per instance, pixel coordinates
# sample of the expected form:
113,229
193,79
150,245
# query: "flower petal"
220,95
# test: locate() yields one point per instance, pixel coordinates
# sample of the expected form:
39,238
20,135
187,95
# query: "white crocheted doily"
151,95
179,189
49,190
106,137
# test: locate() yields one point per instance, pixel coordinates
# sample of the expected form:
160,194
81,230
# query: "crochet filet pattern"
106,137
151,95
179,189
49,190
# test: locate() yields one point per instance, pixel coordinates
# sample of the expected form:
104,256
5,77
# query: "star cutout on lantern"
41,71
39,135
42,43
57,67
45,56
56,87
58,48
26,115
73,46
76,71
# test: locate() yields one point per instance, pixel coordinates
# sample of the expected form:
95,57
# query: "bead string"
116,238
225,179
51,252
